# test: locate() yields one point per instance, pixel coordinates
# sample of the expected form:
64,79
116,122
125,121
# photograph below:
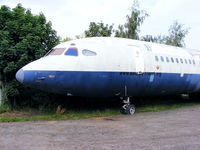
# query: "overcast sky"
71,17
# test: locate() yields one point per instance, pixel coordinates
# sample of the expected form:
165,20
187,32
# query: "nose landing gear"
127,107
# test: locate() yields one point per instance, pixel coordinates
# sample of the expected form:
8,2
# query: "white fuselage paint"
120,55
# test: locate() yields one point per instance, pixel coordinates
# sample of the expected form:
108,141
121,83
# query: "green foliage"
11,88
66,39
131,28
98,30
24,37
157,39
120,32
4,108
176,36
80,36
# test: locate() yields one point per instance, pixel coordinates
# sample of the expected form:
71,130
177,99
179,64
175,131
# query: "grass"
65,116
21,116
162,107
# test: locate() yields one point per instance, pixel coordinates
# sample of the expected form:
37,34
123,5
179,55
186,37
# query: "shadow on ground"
80,103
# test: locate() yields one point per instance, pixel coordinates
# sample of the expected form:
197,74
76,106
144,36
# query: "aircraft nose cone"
20,75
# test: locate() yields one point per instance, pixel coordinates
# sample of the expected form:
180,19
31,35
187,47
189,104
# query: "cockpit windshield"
56,51
72,51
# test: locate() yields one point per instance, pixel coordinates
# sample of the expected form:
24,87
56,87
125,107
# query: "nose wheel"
127,107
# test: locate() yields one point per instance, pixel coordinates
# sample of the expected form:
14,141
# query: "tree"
80,36
120,32
66,39
131,28
156,39
24,37
98,30
175,38
176,35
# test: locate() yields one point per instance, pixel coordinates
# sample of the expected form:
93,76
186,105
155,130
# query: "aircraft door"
139,61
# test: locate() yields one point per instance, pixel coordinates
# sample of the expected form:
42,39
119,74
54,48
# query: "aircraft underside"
109,84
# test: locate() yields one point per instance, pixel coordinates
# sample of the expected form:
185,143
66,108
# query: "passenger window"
181,60
167,59
193,61
186,61
190,61
88,53
156,58
72,51
177,60
172,59
162,59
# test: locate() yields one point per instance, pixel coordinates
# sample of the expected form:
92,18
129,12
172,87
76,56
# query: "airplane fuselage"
108,67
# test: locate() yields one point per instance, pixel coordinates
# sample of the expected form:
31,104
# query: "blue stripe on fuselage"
86,83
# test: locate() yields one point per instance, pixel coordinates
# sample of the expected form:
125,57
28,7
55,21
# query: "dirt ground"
167,130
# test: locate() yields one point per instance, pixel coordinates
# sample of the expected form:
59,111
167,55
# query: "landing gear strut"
127,107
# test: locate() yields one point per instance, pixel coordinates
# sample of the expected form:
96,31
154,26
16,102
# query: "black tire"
130,110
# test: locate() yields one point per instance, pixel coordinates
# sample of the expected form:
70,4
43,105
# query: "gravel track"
177,129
